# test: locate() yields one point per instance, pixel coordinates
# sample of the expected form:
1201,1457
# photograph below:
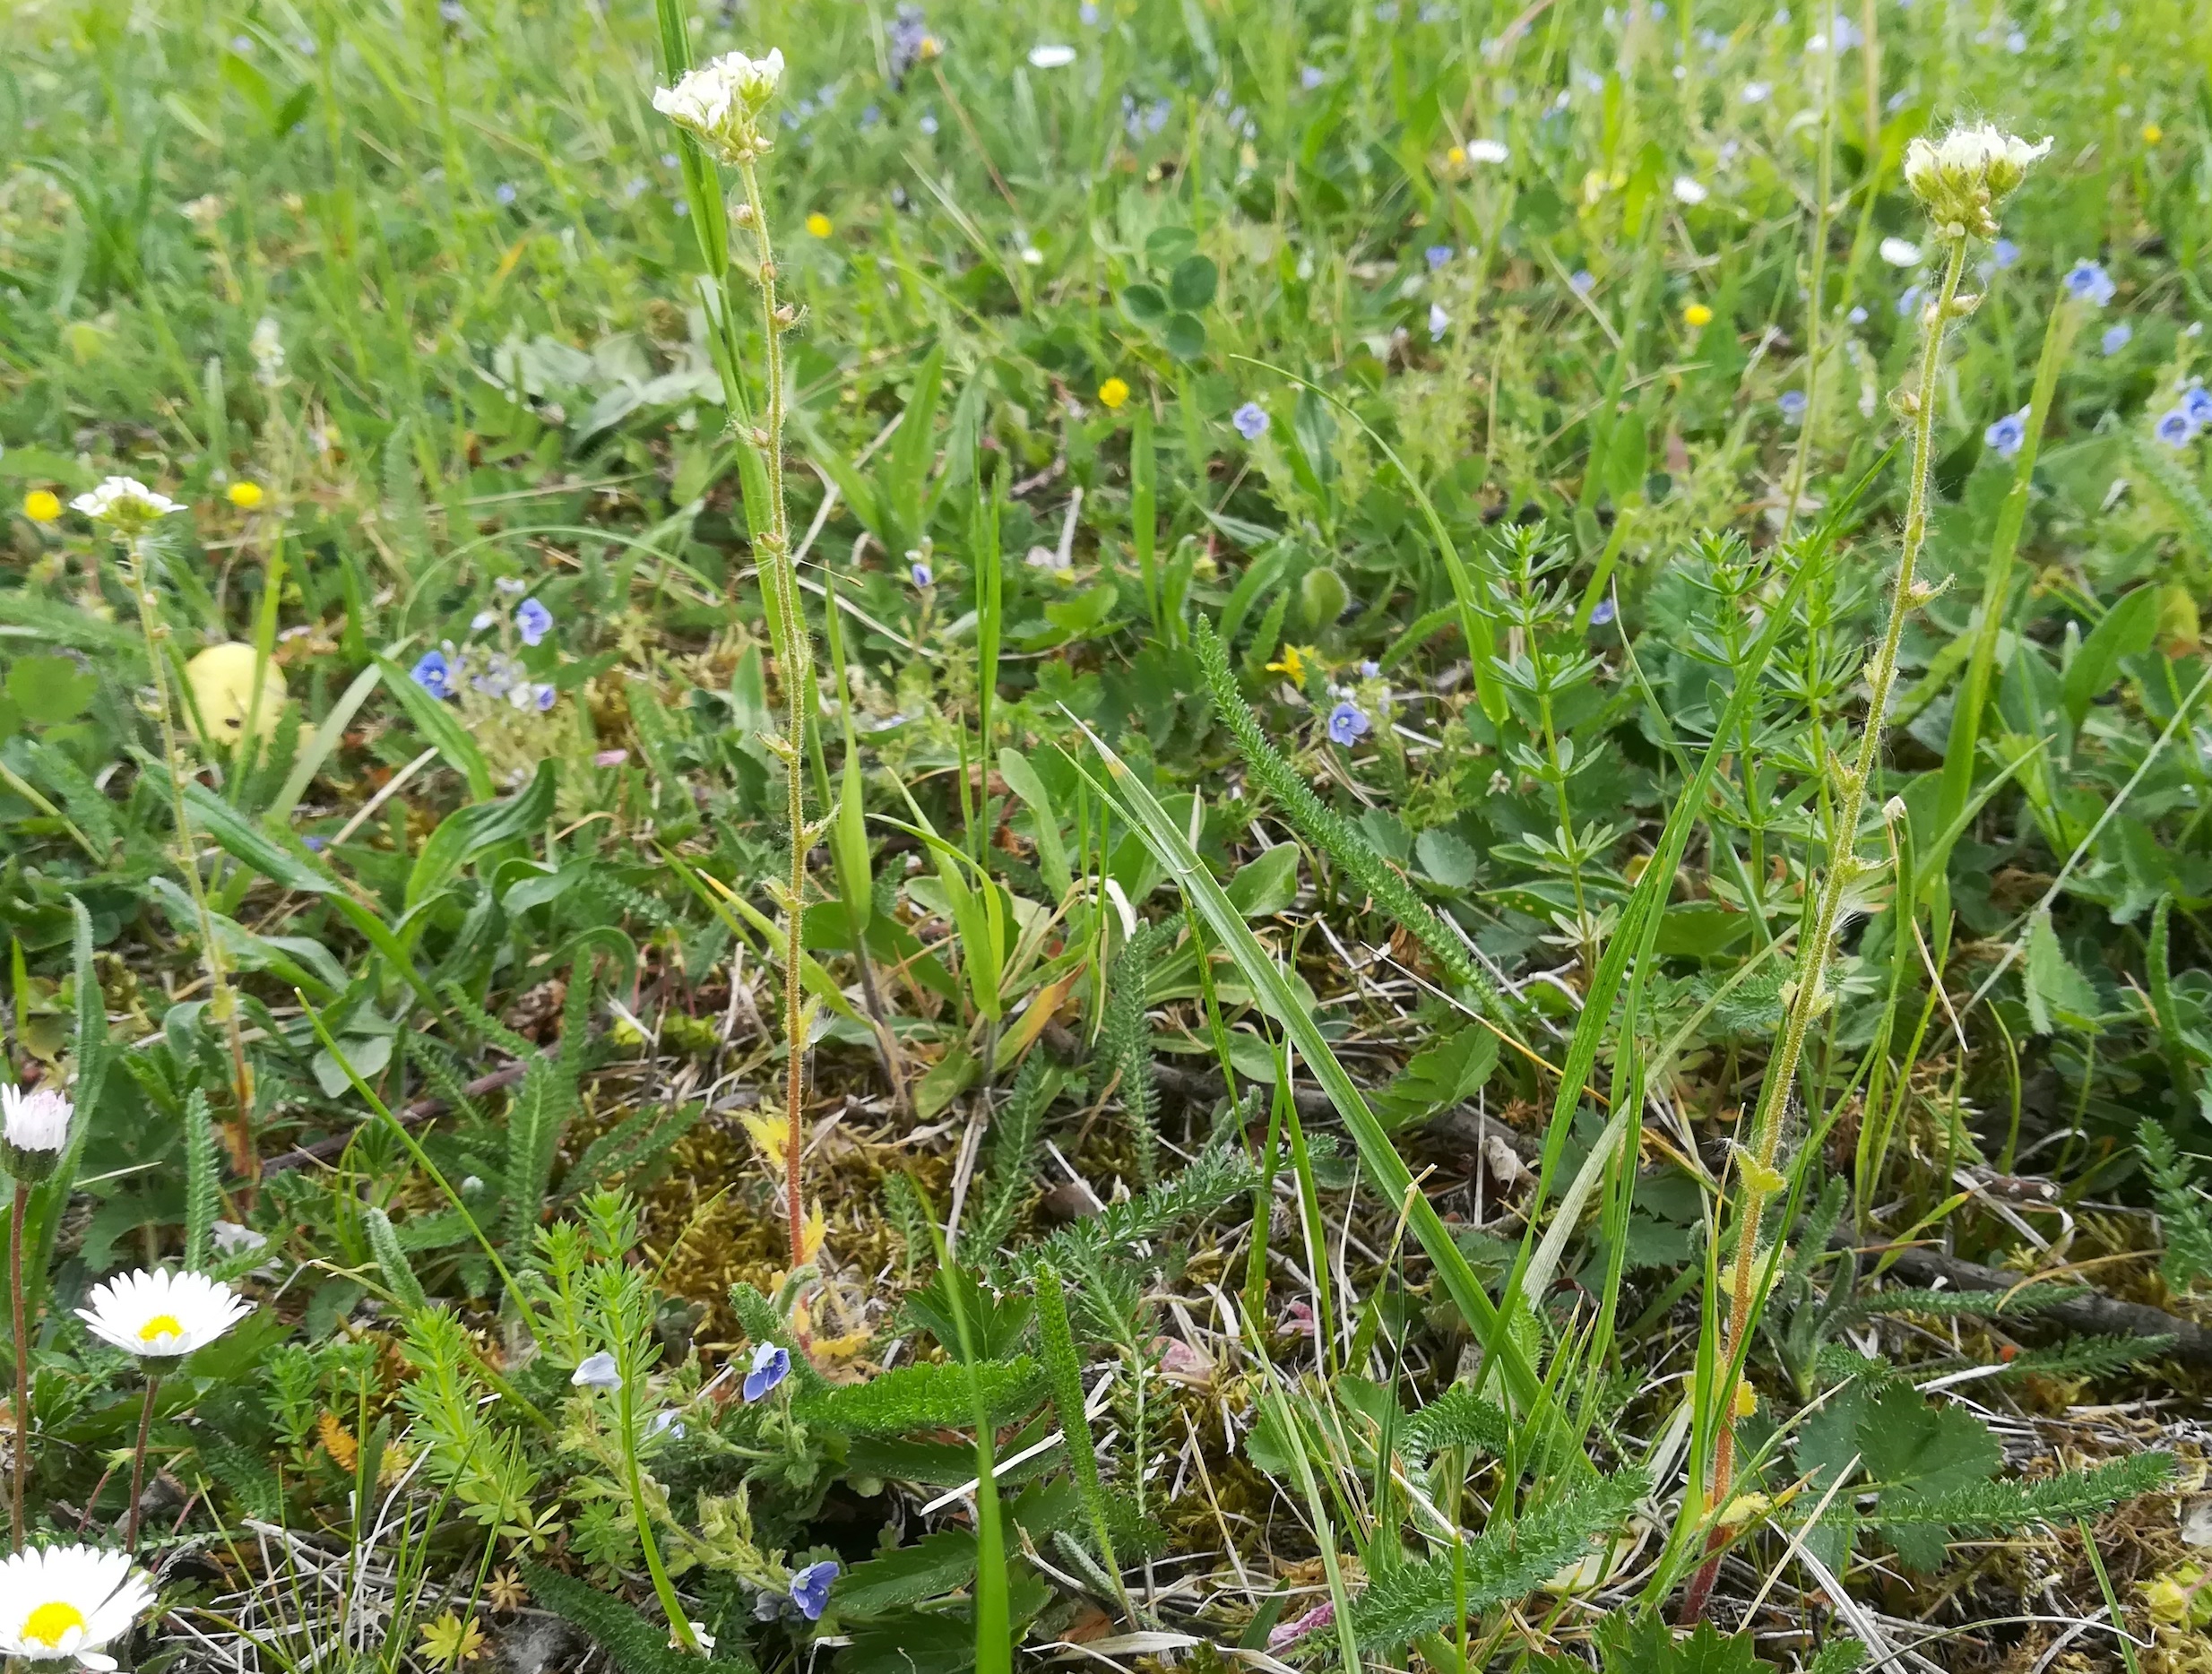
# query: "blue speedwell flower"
2197,403
2006,434
1582,281
434,674
2004,253
1438,255
1793,405
532,621
597,1371
1348,723
2174,428
1439,322
1604,614
810,1588
771,1366
2087,282
920,574
2117,338
1251,421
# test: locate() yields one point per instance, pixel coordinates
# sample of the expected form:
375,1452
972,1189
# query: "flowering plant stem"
138,1461
1808,996
680,1623
222,1004
794,658
22,1363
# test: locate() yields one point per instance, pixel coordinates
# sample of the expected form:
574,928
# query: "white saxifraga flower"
721,103
162,1315
34,1121
267,348
1961,179
125,501
59,1602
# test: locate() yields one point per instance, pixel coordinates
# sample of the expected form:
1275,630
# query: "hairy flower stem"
22,1363
138,1461
1809,996
222,1004
794,659
1817,308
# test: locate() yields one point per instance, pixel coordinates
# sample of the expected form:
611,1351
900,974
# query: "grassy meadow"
1184,834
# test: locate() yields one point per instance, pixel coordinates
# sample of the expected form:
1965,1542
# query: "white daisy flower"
36,1120
1690,191
1487,151
125,501
1900,253
720,102
1051,56
163,1315
68,1601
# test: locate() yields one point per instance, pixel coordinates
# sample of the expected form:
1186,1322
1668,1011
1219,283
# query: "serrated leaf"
924,1396
1439,1077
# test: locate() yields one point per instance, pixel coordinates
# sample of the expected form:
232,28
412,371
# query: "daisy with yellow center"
60,1603
162,1315
1112,393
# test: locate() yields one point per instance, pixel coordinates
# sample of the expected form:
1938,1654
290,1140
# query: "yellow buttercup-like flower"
1112,393
818,224
42,505
247,496
1697,315
1292,664
2153,133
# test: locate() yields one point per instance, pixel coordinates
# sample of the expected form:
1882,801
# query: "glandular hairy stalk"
222,1004
721,104
1959,181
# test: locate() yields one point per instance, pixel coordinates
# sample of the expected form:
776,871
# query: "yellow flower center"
50,1624
159,1326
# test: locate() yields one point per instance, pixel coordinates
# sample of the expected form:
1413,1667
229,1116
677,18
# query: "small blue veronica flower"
1370,671
666,1423
1310,78
315,845
2197,403
1583,282
1857,316
513,586
542,696
810,1588
1348,723
532,620
481,620
2117,338
505,192
920,574
928,123
2008,434
1438,255
1439,322
1251,421
771,1366
597,1371
1604,614
2086,282
2004,253
2174,428
1908,302
1793,405
434,674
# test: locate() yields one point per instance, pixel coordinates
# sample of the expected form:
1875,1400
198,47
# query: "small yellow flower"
1294,664
818,224
1747,1398
449,1641
1697,315
1457,157
2153,133
42,505
247,496
1113,393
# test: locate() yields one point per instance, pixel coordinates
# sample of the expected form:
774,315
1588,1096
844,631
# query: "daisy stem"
138,1461
1809,994
22,1362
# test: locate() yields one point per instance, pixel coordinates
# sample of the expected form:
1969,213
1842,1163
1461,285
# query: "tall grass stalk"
1810,998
